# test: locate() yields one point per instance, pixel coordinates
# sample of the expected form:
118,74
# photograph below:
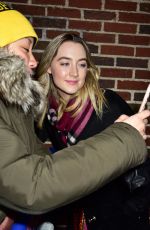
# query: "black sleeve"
49,133
42,133
117,103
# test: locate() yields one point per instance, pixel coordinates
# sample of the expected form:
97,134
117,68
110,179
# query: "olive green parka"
34,181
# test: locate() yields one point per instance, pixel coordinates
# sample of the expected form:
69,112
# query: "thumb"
144,114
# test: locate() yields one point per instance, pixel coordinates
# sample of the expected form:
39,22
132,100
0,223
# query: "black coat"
111,207
116,107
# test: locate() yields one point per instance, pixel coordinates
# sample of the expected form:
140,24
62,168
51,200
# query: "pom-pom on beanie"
14,26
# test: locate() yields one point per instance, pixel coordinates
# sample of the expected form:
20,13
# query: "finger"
144,114
145,121
144,136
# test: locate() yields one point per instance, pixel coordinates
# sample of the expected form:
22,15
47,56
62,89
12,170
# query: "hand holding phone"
145,99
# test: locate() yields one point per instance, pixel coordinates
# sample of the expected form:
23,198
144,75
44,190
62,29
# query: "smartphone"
145,99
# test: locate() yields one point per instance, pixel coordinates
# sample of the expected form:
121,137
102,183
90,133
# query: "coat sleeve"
39,182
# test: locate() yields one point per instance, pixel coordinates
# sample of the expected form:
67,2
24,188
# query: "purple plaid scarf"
68,126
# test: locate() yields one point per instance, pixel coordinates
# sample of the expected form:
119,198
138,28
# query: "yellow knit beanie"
13,26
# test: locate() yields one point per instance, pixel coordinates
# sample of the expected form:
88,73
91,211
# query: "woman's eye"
83,65
64,63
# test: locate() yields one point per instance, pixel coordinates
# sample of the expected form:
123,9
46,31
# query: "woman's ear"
49,70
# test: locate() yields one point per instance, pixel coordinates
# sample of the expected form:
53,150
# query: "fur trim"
17,86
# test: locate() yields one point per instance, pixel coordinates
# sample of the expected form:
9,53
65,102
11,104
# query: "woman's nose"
74,71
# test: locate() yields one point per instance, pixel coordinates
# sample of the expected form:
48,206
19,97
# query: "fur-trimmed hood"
17,86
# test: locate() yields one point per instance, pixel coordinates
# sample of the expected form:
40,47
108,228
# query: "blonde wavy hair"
91,89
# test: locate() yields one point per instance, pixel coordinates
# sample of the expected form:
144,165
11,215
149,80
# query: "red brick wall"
118,34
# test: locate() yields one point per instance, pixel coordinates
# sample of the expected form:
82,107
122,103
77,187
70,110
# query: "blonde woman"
77,109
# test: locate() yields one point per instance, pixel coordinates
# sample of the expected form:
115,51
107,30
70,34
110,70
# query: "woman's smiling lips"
71,82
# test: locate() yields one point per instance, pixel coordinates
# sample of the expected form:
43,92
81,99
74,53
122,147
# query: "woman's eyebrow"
81,59
64,58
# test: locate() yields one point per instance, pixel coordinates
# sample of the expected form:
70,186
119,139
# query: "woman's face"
23,48
69,69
